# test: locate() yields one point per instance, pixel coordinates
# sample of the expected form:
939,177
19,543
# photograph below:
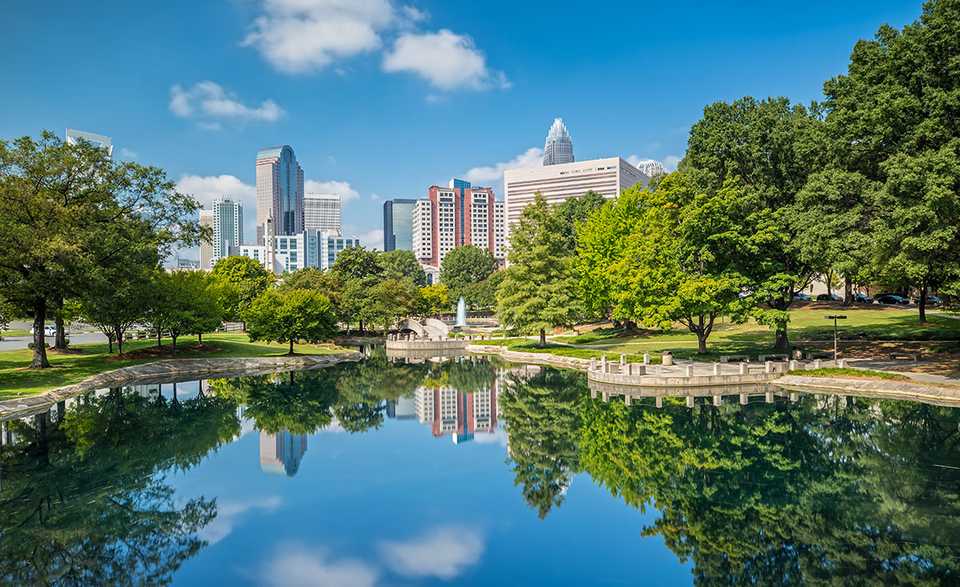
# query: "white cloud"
443,552
670,162
445,59
298,36
128,154
206,188
491,174
229,512
372,239
209,103
346,191
295,566
498,436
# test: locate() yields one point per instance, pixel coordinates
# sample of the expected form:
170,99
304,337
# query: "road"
13,343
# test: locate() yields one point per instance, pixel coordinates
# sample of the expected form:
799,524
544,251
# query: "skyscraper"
279,191
322,212
74,135
227,228
281,453
206,249
559,146
398,224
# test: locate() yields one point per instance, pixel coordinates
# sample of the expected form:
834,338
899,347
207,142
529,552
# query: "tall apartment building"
461,414
454,216
398,224
279,191
206,248
227,228
556,183
323,212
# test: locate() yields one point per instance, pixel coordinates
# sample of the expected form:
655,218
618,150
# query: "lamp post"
835,317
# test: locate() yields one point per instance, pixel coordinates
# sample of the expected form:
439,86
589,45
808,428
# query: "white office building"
560,182
313,248
206,248
227,228
323,212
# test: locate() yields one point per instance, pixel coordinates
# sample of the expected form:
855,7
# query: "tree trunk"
159,339
847,290
782,342
60,339
174,337
290,352
362,331
39,342
923,301
543,337
110,343
701,342
200,338
119,335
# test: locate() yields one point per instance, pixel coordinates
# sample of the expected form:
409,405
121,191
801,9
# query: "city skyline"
213,98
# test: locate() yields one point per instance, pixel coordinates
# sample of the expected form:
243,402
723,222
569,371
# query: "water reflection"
765,489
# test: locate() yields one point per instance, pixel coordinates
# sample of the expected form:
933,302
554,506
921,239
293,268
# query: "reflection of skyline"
461,414
404,408
282,452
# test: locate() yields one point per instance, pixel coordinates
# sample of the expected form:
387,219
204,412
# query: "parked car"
892,299
862,298
47,331
801,297
931,301
831,297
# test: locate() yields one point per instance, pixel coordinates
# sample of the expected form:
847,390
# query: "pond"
467,471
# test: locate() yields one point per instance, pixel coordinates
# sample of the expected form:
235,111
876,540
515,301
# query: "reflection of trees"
542,419
86,503
791,494
297,401
363,387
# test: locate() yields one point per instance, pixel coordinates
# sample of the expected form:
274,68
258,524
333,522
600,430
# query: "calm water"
468,472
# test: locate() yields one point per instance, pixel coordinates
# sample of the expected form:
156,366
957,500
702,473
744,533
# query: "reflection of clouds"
228,511
334,427
294,565
498,436
443,552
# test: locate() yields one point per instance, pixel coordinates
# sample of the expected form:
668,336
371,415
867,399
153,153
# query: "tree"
6,315
399,264
358,263
434,300
763,151
464,267
893,120
291,315
65,209
116,299
183,302
539,288
390,301
242,281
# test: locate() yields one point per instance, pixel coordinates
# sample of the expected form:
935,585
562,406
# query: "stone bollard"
743,368
626,399
768,397
623,360
666,359
689,401
688,370
744,399
603,363
716,368
793,365
842,364
646,358
794,396
593,364
606,396
816,363
768,366
593,394
717,401
659,401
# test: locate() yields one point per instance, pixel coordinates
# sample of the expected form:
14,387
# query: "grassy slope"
16,380
848,373
808,325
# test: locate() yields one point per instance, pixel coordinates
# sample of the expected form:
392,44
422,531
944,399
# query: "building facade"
454,216
323,212
398,224
558,148
560,182
227,228
206,249
289,253
279,192
73,136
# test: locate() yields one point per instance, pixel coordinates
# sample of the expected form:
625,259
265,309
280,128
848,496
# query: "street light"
835,317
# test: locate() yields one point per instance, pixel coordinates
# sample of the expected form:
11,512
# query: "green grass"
17,380
848,373
14,332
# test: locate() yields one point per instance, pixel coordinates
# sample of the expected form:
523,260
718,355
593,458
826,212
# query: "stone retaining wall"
680,381
421,344
879,388
535,358
166,371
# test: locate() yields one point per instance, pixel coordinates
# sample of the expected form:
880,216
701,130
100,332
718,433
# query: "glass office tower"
398,224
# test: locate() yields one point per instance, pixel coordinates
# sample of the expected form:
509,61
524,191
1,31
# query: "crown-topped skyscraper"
559,146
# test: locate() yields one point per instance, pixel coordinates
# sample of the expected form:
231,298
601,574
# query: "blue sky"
382,98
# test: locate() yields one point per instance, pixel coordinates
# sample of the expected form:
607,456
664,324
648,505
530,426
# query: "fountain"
461,314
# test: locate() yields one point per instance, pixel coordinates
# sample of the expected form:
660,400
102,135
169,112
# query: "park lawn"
14,332
848,373
17,380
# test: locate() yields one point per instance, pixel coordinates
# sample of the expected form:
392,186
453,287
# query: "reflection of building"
458,413
282,452
404,408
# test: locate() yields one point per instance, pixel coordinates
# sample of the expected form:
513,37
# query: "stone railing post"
689,401
816,363
646,358
603,363
744,399
717,400
593,364
659,401
688,370
768,366
743,368
623,360
716,368
768,397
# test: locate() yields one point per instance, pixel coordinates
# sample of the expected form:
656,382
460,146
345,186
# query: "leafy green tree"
66,209
399,264
764,151
483,294
464,267
291,315
391,300
329,283
183,302
539,288
434,300
116,298
358,263
573,213
300,402
243,280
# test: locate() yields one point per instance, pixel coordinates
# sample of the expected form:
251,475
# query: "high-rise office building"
102,141
288,253
398,224
556,183
558,148
279,191
454,216
206,248
227,228
322,212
